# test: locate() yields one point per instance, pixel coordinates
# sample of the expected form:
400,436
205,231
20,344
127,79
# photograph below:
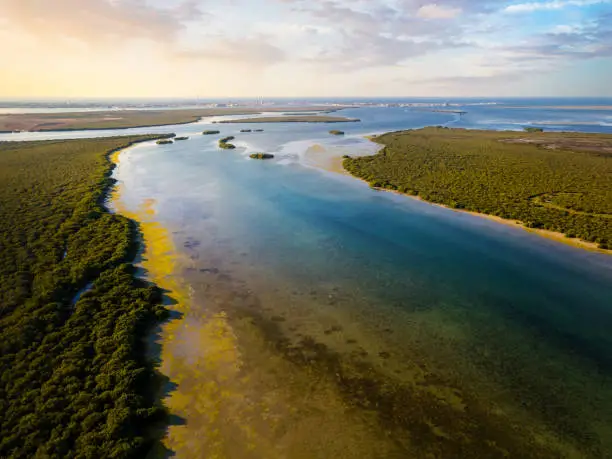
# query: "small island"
335,132
164,142
246,130
261,156
225,145
211,132
181,138
258,130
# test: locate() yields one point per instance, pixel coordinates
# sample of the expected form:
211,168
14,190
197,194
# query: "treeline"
74,381
556,181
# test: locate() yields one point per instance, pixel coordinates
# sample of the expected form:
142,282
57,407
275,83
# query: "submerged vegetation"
224,143
261,156
74,381
560,182
211,132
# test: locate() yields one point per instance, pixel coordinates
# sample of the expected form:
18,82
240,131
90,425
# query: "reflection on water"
323,319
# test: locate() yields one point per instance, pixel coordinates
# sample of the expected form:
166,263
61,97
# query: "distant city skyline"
296,48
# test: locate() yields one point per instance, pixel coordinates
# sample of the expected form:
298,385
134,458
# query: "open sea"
317,318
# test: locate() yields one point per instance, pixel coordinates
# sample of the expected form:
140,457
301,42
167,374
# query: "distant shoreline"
131,119
558,107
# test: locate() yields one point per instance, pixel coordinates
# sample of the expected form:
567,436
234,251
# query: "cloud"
552,5
94,21
435,11
471,41
254,50
108,23
380,34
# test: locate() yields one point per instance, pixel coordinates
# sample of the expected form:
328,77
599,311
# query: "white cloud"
552,5
435,11
565,29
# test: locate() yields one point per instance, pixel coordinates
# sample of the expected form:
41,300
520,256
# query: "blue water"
514,323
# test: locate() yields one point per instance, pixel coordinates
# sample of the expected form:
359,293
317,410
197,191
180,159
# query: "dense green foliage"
555,181
211,132
335,132
164,142
225,145
74,381
261,156
533,129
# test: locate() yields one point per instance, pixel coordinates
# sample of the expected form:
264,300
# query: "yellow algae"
199,352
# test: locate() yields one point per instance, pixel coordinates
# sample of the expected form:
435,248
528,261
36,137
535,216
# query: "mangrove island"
224,143
261,156
511,175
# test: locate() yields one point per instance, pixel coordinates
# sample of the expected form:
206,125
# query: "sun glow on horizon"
294,48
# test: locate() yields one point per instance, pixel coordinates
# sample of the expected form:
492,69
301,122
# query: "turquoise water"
447,335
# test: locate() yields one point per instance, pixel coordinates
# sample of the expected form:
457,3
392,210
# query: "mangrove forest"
74,381
560,182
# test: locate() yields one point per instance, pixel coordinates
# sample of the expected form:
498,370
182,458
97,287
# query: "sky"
305,48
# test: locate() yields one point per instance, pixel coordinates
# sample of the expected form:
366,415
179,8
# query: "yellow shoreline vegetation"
198,350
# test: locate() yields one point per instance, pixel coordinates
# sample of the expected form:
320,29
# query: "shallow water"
320,318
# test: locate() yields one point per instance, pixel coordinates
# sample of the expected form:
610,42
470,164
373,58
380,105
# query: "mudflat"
124,119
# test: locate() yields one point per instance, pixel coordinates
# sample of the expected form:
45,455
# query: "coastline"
552,235
196,352
158,262
335,165
94,121
117,128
